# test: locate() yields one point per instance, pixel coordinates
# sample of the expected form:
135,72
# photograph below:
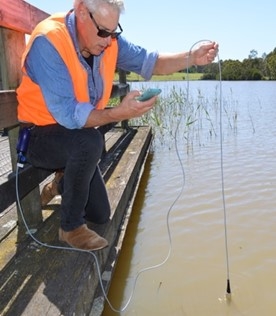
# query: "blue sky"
175,25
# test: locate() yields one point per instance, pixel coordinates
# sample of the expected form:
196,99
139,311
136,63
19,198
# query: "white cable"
228,288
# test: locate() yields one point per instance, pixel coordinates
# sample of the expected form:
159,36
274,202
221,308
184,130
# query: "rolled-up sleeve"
46,68
136,58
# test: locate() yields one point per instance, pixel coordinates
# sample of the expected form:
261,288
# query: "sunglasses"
103,33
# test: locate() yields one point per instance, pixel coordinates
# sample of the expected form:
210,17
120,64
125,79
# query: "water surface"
193,280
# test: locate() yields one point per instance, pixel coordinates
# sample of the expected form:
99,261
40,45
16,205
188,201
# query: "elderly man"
68,68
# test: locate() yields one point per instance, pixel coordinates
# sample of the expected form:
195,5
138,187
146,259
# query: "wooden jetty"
34,279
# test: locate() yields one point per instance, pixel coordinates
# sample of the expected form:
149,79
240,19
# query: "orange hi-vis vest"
31,105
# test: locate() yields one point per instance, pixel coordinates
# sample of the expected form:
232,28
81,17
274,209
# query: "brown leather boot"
50,190
83,238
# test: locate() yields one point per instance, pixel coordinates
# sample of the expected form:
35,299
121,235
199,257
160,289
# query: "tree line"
251,68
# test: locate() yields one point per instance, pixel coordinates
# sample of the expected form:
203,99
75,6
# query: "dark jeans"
78,152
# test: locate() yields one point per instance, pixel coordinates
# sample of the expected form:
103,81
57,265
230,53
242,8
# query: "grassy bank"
174,77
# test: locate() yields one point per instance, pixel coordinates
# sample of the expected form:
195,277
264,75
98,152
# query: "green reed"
190,119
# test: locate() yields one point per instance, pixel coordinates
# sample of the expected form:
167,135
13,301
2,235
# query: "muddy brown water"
193,280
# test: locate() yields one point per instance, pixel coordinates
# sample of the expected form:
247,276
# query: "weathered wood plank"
5,161
112,157
12,45
129,162
8,108
20,16
29,178
8,222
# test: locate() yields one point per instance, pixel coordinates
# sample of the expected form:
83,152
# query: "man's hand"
127,109
130,107
204,54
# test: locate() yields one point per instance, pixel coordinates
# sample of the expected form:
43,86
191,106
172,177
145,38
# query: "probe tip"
228,291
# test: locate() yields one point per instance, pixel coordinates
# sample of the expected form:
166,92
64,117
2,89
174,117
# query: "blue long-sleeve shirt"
46,68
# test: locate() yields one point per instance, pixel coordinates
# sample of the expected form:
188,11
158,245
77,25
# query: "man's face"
96,29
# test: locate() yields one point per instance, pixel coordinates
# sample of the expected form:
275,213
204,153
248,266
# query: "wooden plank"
5,161
17,18
12,45
112,157
28,180
8,222
129,161
8,108
20,16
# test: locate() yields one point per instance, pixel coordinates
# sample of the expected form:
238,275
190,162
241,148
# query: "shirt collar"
71,25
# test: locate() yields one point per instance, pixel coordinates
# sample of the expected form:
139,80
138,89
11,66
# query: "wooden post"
12,44
122,79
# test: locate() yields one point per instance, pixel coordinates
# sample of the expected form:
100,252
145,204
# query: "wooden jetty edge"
34,279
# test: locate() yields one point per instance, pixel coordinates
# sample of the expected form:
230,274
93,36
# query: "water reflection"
193,280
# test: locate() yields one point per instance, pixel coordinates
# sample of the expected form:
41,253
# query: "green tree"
231,70
253,54
271,65
252,69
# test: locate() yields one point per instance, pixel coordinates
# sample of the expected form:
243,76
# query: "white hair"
94,5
